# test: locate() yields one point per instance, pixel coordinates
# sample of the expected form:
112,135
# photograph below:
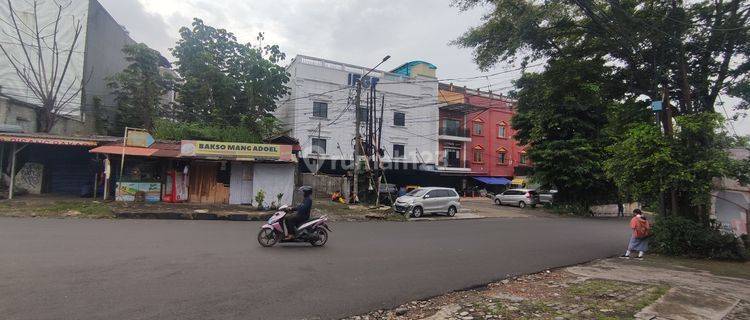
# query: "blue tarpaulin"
493,180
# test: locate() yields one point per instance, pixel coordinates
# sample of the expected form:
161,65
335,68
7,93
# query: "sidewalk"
51,206
657,288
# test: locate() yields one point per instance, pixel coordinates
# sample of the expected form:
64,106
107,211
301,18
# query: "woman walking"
639,238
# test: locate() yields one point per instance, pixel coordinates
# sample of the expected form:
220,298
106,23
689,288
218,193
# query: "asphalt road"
160,269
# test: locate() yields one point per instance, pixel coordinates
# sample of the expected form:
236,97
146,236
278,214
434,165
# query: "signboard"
59,142
367,82
234,150
656,106
138,191
138,138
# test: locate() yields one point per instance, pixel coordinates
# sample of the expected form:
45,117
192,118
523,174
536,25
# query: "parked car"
518,197
428,200
546,196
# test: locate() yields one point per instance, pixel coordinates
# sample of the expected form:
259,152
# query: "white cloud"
357,32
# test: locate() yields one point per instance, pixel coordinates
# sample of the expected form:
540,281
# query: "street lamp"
376,66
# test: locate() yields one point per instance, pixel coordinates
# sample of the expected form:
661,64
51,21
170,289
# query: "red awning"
135,151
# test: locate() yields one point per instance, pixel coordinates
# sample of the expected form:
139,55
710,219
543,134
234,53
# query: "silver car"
518,197
429,200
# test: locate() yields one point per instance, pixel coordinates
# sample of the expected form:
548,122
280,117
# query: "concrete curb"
192,216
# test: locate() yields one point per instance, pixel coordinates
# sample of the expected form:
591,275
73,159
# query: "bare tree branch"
46,78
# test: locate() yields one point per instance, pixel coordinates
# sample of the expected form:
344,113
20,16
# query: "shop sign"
452,144
138,191
59,142
139,138
192,148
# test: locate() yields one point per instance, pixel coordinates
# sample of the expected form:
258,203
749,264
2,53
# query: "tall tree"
560,116
695,51
139,88
40,54
224,82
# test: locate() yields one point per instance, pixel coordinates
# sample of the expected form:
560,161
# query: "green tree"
694,51
560,115
226,83
139,89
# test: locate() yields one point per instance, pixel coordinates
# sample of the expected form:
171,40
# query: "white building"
320,111
97,55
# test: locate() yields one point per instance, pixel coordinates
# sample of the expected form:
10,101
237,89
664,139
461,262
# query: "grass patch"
83,209
591,299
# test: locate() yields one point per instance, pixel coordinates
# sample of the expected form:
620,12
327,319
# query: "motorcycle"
314,231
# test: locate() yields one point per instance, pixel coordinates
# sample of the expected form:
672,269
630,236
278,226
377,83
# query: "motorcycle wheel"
268,237
321,237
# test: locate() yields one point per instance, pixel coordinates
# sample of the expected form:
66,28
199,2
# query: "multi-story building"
320,111
96,56
476,135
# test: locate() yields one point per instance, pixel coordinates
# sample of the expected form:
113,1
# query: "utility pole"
357,135
357,143
668,131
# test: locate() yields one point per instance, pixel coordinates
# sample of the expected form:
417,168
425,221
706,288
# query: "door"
241,183
204,187
506,197
451,157
431,201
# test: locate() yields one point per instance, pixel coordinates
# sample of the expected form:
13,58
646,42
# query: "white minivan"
429,200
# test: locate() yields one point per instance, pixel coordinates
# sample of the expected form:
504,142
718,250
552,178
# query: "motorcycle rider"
294,220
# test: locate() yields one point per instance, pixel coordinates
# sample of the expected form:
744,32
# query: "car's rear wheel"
522,204
497,202
451,211
417,212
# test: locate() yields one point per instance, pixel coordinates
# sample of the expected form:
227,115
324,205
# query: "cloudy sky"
356,32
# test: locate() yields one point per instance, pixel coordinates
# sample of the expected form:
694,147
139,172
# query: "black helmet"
305,190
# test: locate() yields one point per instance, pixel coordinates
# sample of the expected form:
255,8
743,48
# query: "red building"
476,134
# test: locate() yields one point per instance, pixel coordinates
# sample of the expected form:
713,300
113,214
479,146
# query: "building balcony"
455,134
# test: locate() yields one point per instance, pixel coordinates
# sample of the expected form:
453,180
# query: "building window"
501,157
363,114
522,159
478,128
398,150
319,146
478,156
399,119
501,130
320,109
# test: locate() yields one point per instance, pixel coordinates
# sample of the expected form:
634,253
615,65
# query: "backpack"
642,229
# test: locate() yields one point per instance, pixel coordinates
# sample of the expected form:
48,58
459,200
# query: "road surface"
168,269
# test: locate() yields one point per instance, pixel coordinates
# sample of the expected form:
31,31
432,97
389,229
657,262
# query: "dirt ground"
655,288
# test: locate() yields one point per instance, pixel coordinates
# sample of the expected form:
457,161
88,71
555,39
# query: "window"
501,131
501,158
363,114
319,145
522,159
320,109
478,156
399,119
477,129
398,150
434,194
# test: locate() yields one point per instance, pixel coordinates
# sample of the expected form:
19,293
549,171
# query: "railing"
455,163
455,132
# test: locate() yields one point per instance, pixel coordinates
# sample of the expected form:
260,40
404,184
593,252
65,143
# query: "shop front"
206,172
